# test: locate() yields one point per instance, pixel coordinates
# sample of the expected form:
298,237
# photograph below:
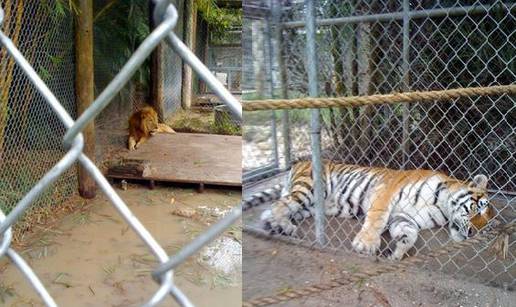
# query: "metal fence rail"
377,48
166,18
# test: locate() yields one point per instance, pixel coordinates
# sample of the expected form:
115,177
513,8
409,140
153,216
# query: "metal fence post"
282,81
405,83
268,34
315,122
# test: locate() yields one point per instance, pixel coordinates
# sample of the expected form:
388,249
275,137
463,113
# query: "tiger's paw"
277,226
394,255
366,243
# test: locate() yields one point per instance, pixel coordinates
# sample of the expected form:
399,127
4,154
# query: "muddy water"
92,258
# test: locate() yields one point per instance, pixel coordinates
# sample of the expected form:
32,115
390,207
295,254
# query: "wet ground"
273,267
92,258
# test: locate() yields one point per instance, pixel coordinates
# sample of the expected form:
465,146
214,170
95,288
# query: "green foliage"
219,19
119,28
226,127
61,8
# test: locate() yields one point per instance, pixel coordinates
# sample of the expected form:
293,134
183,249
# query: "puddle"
94,259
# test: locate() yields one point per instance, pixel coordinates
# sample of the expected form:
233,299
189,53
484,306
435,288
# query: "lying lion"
142,125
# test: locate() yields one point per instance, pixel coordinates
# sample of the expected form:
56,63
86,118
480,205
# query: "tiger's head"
470,209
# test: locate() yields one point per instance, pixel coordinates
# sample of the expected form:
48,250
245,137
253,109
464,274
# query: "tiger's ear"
479,182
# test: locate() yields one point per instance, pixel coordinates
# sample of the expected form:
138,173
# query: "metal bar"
19,262
282,81
31,277
65,163
43,184
274,128
259,172
199,242
6,237
224,68
405,83
260,176
270,72
454,11
315,122
285,125
125,74
34,78
204,73
131,219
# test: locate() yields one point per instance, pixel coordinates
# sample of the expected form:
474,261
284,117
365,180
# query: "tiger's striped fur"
400,201
266,196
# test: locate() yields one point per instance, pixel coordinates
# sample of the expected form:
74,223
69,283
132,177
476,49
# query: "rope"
384,268
354,101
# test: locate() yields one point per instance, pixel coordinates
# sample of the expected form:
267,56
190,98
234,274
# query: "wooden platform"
186,158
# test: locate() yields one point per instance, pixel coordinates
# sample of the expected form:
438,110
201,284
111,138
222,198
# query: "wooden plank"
184,157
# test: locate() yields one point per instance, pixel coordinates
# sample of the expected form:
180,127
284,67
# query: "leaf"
44,73
60,9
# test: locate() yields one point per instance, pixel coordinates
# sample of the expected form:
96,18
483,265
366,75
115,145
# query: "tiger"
400,201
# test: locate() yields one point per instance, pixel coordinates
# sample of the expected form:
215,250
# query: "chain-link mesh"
261,149
173,70
118,29
224,59
166,16
30,133
378,47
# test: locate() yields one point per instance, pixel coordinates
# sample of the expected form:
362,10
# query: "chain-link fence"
30,133
378,47
225,60
166,17
119,28
264,155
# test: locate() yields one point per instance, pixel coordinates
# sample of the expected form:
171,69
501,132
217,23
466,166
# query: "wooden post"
190,37
156,72
84,88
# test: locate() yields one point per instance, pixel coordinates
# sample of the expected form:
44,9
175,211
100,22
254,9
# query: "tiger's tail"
262,197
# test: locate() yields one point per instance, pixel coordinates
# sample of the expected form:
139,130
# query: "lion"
142,125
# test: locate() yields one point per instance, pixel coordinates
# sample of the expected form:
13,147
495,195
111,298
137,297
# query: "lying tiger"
402,201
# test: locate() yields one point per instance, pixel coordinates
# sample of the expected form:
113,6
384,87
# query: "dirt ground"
92,258
273,267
